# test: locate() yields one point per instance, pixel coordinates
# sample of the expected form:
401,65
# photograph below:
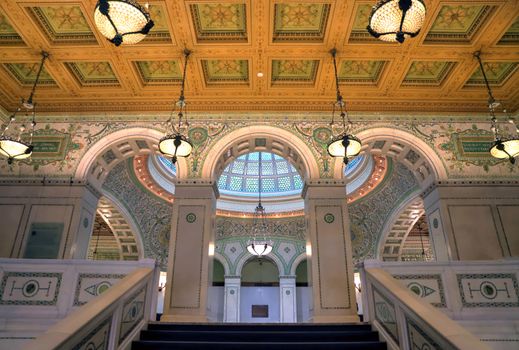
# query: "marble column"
46,218
189,260
473,220
287,299
231,304
329,251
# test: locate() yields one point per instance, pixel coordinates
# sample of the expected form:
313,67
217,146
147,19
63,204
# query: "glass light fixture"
258,245
14,145
174,144
122,21
501,148
396,20
345,145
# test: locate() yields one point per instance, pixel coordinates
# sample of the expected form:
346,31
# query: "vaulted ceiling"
232,41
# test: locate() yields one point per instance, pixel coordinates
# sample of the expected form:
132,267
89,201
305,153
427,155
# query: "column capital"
324,188
196,188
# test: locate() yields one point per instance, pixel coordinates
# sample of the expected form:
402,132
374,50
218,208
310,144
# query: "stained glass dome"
278,176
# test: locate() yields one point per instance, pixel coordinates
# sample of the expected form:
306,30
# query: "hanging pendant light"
396,20
174,144
345,145
502,148
12,143
122,21
258,245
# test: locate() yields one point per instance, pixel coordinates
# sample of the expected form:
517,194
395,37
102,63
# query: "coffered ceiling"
232,41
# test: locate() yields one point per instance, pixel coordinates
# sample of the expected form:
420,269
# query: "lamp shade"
396,20
175,145
259,248
505,149
344,146
122,21
14,149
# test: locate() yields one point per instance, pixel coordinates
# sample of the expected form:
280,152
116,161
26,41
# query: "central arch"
257,138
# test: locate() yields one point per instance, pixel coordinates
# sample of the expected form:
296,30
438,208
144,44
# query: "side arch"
260,138
223,261
397,228
300,258
246,257
404,147
113,148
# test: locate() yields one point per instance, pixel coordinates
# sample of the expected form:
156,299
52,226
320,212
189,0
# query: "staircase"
160,336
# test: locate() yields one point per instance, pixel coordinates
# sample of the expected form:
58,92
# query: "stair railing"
405,321
111,321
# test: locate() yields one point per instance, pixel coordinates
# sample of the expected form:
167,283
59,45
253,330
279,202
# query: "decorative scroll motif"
489,290
428,287
293,227
30,288
418,339
91,285
385,314
133,313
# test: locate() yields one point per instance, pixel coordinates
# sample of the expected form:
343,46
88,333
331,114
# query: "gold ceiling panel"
294,71
497,73
8,35
219,22
63,24
25,73
300,22
427,73
93,73
232,41
361,71
225,71
458,23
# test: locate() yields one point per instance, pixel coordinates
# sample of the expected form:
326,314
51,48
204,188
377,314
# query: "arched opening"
303,292
259,300
216,292
103,244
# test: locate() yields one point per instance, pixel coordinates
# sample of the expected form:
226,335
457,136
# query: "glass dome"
278,176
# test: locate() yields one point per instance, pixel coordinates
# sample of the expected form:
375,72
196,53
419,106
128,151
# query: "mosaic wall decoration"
25,74
488,290
97,339
90,285
300,22
428,287
497,73
220,22
385,314
419,339
369,214
93,73
294,71
458,23
427,73
8,35
226,71
471,146
511,37
30,288
151,214
63,24
132,314
360,71
159,72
